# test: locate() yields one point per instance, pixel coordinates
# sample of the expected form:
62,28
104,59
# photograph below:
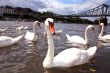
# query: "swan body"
67,58
21,27
31,36
79,57
104,38
78,40
7,41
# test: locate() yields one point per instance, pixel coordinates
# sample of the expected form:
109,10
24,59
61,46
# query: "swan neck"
86,39
102,30
48,61
34,29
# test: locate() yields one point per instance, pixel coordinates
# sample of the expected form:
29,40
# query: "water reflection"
86,68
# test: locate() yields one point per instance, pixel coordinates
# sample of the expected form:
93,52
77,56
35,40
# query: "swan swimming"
7,41
19,28
31,36
79,41
67,58
101,37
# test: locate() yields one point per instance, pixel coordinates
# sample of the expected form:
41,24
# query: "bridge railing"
102,10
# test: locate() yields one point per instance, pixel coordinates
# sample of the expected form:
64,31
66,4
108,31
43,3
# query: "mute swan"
32,35
79,41
101,37
21,27
18,26
7,41
67,58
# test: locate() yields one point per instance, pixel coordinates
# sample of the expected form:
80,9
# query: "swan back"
91,51
17,39
73,56
7,41
76,39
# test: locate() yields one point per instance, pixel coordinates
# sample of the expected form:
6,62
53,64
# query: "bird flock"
67,58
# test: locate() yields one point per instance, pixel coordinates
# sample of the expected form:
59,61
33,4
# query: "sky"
57,6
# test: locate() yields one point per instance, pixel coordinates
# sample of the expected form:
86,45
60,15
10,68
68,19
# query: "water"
27,57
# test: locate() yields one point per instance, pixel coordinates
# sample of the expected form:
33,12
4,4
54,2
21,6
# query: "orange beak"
51,27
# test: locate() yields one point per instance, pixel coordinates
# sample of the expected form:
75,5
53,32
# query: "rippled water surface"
27,57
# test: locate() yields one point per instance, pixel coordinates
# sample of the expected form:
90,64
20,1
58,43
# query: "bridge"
102,10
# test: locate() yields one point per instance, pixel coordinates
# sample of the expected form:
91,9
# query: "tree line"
35,15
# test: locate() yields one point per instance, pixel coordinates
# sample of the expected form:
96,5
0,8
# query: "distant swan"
2,30
7,41
101,37
20,28
77,40
31,36
67,58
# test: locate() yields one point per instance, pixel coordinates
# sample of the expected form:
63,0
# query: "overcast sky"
56,6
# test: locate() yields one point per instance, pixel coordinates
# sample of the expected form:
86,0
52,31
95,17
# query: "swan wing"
5,41
71,57
76,39
19,28
26,27
17,39
105,38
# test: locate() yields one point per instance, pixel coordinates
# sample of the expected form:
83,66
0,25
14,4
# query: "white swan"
67,58
31,36
7,41
20,28
79,41
101,37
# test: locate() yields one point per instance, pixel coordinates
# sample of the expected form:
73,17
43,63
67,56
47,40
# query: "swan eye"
50,23
93,29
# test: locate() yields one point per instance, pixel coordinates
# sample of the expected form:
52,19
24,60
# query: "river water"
27,57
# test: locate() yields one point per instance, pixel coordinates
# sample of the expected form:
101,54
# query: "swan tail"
91,51
17,39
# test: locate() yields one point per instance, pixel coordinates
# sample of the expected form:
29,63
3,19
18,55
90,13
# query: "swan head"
91,27
49,22
37,23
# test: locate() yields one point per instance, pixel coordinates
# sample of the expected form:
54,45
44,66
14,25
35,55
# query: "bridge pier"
103,20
